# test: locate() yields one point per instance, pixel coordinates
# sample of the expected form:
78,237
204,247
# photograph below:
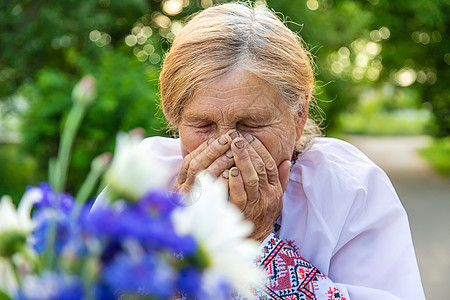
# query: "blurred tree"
126,100
60,41
377,43
37,34
417,52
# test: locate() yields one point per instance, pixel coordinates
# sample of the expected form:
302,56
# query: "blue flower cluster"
122,249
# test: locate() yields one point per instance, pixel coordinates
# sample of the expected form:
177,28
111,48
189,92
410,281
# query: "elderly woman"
236,85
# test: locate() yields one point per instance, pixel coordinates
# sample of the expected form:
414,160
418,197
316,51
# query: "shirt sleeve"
357,231
374,255
290,276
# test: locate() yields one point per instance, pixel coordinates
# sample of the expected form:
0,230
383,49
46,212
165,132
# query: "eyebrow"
257,116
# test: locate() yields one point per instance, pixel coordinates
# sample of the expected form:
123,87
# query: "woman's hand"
256,184
213,155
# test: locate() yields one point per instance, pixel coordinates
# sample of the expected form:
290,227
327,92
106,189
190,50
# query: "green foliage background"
46,46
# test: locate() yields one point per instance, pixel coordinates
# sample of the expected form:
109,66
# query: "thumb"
283,173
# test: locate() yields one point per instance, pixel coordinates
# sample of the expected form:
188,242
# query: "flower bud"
101,162
85,91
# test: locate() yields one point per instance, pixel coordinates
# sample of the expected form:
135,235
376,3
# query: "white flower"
15,225
8,281
220,230
12,220
134,171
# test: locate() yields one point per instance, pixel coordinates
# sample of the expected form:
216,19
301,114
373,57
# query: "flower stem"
32,258
88,278
98,167
59,176
49,255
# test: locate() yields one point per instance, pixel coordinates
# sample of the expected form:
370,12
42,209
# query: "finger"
206,157
182,174
238,195
224,162
258,164
223,178
283,172
269,162
245,166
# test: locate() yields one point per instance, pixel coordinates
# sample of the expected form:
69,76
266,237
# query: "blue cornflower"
189,281
159,203
51,286
103,292
148,275
45,221
50,199
132,221
68,230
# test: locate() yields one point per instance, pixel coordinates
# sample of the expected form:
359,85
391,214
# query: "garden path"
426,198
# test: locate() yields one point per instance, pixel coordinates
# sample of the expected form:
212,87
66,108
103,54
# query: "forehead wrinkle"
231,98
215,88
203,111
233,115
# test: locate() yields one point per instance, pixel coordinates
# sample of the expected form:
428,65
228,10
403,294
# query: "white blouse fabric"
342,214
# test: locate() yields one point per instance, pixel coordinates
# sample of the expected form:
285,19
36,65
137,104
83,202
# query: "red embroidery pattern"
291,244
290,276
335,294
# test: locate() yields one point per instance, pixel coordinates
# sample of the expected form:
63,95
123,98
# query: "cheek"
279,143
190,140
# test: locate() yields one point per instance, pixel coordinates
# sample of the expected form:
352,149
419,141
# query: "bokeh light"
447,58
206,3
100,39
176,27
172,7
130,40
380,34
161,20
312,4
405,77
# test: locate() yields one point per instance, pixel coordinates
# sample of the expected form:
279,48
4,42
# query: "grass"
402,122
438,155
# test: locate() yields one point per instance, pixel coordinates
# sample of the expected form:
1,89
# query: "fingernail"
229,154
234,172
223,140
233,134
250,138
210,141
226,174
239,144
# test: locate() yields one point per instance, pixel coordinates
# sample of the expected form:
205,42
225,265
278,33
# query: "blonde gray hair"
236,35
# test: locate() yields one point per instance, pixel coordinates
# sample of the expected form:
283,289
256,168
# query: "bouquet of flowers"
141,242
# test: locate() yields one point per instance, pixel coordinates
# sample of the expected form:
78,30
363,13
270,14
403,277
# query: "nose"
233,133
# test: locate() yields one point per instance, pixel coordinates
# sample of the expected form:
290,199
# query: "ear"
302,117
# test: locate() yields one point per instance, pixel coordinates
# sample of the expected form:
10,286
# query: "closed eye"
205,126
251,126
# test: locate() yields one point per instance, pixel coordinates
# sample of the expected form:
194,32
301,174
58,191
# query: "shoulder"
337,182
334,160
166,150
168,153
162,146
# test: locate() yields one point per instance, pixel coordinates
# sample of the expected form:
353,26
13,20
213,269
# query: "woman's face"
240,100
